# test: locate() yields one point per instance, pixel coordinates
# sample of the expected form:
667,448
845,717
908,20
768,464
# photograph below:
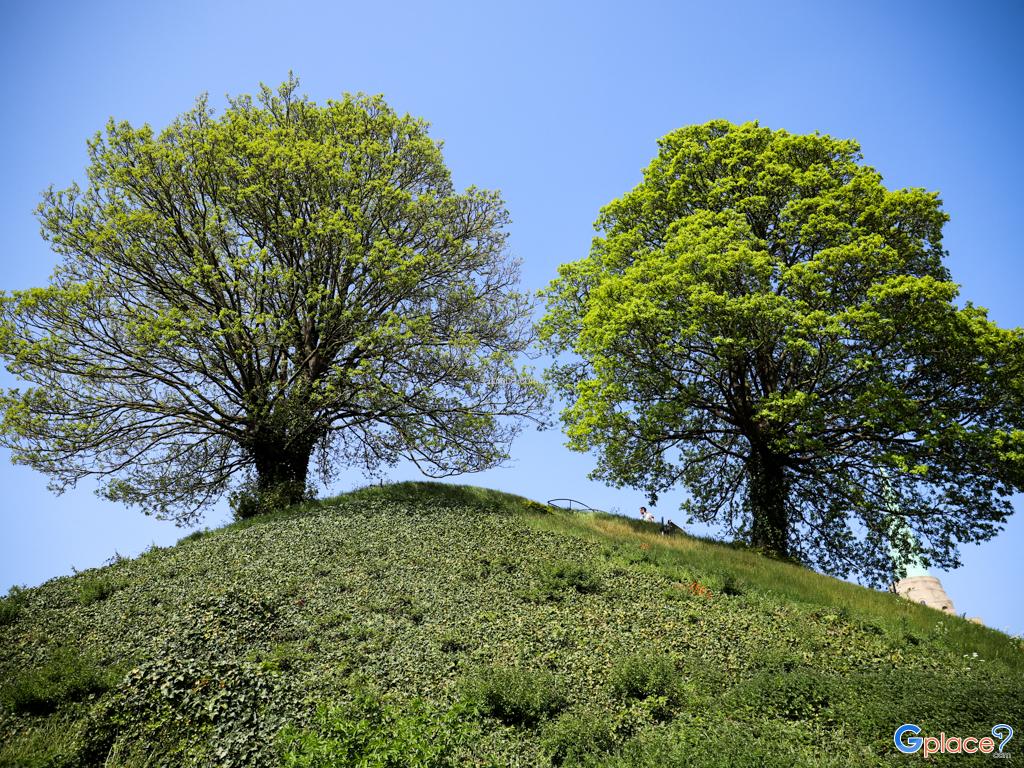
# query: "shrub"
498,564
732,586
11,606
646,676
575,736
514,695
407,607
209,689
796,695
452,642
722,743
557,577
190,698
936,699
249,501
283,657
334,619
95,588
67,676
202,533
372,732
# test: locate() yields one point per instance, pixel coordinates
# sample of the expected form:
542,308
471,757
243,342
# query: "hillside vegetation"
435,625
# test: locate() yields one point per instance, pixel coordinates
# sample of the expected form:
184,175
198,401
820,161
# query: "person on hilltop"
645,515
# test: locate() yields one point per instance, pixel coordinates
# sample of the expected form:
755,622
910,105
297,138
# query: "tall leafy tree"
762,322
246,292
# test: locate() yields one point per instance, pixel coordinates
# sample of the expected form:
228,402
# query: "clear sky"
559,105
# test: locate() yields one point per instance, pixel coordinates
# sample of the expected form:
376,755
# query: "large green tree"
244,292
762,322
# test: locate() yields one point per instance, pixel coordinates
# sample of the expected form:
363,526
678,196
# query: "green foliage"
555,578
66,676
688,558
406,606
763,322
196,694
251,293
12,605
92,589
437,494
233,636
372,732
502,564
731,586
649,675
720,742
55,742
867,702
515,695
577,736
452,642
282,658
797,695
250,500
195,535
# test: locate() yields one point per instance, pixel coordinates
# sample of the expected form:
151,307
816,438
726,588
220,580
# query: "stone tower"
919,585
924,589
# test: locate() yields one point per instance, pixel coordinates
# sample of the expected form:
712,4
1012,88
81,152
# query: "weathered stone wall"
924,589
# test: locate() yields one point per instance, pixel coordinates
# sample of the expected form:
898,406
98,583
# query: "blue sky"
559,105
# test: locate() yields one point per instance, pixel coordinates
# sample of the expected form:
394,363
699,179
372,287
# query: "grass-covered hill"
430,625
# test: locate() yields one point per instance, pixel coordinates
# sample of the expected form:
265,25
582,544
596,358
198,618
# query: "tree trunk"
282,470
767,491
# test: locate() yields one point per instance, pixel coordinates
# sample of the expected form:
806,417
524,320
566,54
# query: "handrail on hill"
666,526
579,505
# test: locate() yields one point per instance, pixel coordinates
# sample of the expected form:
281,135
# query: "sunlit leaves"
762,294
239,291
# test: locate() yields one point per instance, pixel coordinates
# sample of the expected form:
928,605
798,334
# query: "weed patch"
575,737
93,589
372,732
67,676
12,605
558,578
514,695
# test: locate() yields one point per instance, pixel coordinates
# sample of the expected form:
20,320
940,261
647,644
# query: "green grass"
60,740
430,624
448,494
729,570
66,676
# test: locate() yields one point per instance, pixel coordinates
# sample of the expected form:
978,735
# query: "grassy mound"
434,625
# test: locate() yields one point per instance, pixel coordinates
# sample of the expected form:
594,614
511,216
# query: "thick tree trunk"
282,469
767,491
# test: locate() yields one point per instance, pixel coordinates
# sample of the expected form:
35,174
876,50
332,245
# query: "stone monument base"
926,590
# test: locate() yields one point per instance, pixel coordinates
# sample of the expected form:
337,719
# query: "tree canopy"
763,323
244,292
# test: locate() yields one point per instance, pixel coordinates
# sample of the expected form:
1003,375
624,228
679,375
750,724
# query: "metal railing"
665,526
580,506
